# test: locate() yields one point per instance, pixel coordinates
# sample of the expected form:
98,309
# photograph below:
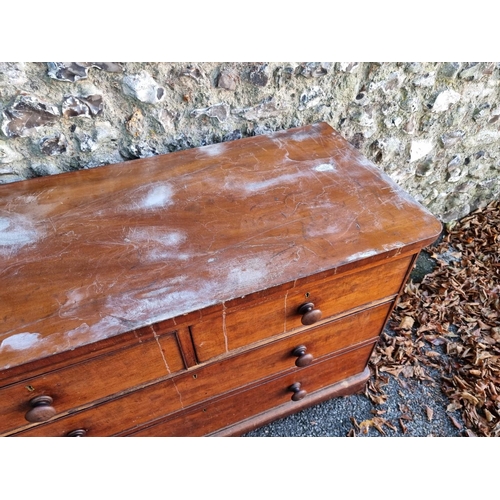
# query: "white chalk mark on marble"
16,231
212,149
20,341
325,167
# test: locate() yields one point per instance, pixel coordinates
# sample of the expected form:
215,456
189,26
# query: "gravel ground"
413,408
407,405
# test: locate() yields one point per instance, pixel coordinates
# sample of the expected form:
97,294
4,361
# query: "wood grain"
273,397
234,328
92,254
80,384
276,356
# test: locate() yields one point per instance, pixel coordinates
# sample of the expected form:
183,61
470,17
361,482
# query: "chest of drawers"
204,292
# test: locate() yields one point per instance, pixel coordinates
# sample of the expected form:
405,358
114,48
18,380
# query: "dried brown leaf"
407,323
430,413
455,422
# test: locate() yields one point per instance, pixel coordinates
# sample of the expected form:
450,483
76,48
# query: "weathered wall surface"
433,127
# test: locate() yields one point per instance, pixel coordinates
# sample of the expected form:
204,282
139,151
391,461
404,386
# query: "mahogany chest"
203,292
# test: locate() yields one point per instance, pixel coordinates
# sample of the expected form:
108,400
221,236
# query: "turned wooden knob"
309,314
298,393
77,433
303,359
41,410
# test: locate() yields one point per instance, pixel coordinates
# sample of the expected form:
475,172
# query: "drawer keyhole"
303,359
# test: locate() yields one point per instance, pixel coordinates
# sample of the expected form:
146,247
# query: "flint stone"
40,170
219,111
311,97
102,135
451,138
456,213
74,71
348,67
449,69
233,136
393,121
27,113
139,150
424,168
481,113
357,140
193,73
444,100
454,162
85,141
472,73
143,87
54,146
266,109
414,67
258,76
495,115
315,70
427,80
456,174
420,148
166,119
7,154
283,75
365,117
87,106
227,80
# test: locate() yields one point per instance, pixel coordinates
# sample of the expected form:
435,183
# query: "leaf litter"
445,329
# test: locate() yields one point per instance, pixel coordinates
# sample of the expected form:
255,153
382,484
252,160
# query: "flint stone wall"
433,127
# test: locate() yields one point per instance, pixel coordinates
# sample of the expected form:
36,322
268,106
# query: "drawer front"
236,328
100,377
158,400
117,415
219,414
278,356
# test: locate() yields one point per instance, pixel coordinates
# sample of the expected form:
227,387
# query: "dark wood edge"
345,387
185,341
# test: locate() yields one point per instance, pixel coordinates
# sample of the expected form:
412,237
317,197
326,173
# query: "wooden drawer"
216,378
277,356
235,328
112,417
223,412
100,377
